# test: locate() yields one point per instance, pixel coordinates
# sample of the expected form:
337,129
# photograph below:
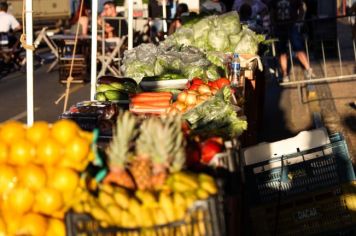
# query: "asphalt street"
47,90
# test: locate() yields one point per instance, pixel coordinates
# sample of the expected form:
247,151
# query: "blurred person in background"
80,19
284,17
155,12
213,7
8,24
113,27
257,7
182,10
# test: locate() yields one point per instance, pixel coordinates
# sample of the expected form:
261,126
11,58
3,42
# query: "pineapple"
167,151
141,165
120,150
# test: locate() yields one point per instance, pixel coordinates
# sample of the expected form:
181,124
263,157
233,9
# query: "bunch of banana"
115,206
114,91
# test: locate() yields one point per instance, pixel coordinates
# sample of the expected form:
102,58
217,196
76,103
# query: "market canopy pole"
130,25
29,62
164,14
94,46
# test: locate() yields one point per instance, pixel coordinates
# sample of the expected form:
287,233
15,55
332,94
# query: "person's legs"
283,62
296,40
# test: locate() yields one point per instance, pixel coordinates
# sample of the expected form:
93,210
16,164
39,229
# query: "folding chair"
9,52
107,59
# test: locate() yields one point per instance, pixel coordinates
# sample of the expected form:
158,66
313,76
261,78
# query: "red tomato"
222,82
197,81
209,149
214,85
194,87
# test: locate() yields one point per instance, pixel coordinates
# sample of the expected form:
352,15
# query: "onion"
193,92
190,107
204,89
182,96
199,100
191,99
204,97
179,105
214,90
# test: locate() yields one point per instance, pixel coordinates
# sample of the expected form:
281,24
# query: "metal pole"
29,65
130,25
324,63
307,49
291,60
319,80
164,14
94,48
274,56
339,55
353,43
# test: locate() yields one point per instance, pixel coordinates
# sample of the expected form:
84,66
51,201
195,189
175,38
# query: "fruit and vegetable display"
39,175
196,49
146,184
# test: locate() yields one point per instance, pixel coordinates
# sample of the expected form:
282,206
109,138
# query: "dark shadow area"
350,123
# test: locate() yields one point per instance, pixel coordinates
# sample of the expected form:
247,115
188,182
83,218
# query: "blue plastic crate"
285,176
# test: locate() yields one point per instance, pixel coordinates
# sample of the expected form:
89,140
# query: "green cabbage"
230,22
218,40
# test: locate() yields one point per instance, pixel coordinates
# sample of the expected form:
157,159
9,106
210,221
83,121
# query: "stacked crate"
308,192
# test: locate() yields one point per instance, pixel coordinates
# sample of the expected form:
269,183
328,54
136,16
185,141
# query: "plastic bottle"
235,70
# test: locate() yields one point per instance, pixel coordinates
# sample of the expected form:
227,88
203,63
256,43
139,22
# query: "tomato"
209,149
222,82
197,81
214,85
194,87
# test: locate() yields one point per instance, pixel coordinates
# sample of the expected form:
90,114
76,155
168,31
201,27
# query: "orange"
22,152
32,177
7,178
48,152
38,132
12,131
56,228
64,130
87,135
2,227
64,180
32,224
20,200
48,200
4,152
77,150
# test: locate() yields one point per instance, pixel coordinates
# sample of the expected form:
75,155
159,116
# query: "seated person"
182,10
113,27
8,24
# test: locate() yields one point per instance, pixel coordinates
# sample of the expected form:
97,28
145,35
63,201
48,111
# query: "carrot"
157,111
151,104
153,94
149,99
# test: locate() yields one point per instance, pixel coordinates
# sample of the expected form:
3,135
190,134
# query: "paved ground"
287,112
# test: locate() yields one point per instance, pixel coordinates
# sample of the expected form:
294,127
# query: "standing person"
257,6
8,24
213,6
155,12
113,27
80,19
182,10
284,14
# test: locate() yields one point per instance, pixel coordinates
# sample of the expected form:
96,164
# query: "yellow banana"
115,213
179,205
121,198
134,207
205,177
159,217
180,187
208,186
107,188
190,198
166,205
105,199
189,179
147,198
202,194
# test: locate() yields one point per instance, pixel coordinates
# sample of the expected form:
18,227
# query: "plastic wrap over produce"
148,60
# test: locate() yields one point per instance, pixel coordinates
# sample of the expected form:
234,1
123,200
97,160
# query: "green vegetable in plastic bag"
218,40
184,36
229,22
212,72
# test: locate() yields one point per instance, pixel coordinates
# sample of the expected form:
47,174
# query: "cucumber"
124,86
100,96
104,87
113,95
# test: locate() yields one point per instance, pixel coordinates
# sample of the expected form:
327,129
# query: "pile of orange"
39,175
